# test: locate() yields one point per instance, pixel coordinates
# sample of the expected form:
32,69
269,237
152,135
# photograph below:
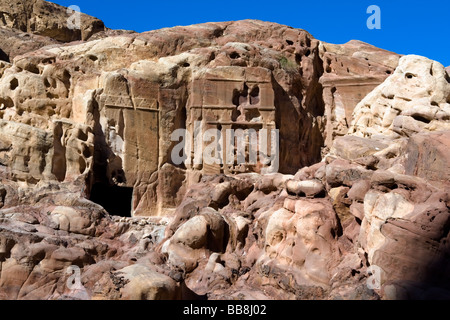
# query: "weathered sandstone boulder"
106,191
146,284
404,233
414,99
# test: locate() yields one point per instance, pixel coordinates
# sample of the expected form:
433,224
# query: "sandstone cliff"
116,87
86,123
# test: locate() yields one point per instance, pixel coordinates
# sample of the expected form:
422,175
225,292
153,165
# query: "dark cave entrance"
116,200
4,56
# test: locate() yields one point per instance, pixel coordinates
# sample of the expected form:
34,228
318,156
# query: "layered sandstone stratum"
356,208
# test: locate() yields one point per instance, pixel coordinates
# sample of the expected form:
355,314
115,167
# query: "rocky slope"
358,208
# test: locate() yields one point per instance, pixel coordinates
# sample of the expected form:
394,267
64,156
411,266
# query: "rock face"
28,25
47,19
120,87
355,179
419,163
15,42
415,98
351,71
401,129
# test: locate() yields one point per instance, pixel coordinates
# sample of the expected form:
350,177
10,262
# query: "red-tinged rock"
351,71
104,118
428,156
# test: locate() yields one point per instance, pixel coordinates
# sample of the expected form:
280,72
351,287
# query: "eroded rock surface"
414,99
351,71
93,204
47,19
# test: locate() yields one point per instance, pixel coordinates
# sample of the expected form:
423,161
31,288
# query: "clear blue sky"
407,27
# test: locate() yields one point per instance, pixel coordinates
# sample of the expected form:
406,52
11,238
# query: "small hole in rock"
354,272
289,42
66,75
252,114
6,103
447,77
235,55
420,118
14,84
92,57
32,69
82,164
48,61
328,67
82,136
254,95
218,33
